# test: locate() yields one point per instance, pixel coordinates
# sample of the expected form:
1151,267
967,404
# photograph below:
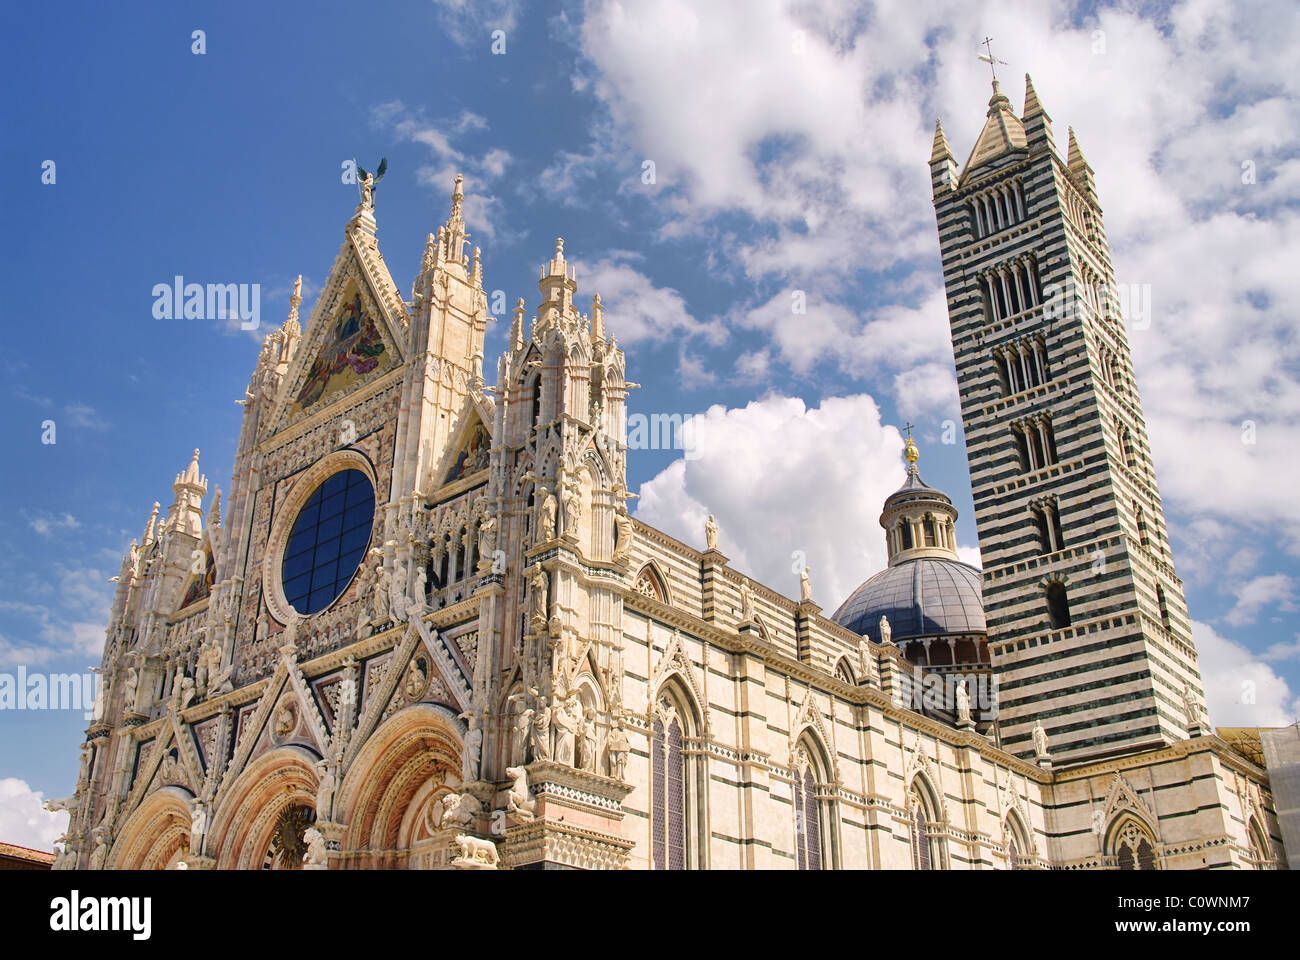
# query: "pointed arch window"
1132,846
927,854
674,789
814,816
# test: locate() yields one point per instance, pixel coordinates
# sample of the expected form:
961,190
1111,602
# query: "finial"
910,453
1032,106
991,60
457,196
559,248
597,318
941,150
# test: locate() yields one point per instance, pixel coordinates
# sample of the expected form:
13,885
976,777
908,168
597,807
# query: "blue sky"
776,170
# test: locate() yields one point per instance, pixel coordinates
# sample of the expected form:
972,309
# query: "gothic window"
649,585
674,789
1022,447
813,815
1058,605
1143,539
1017,841
927,853
1055,516
1126,444
1131,845
1258,844
328,541
808,827
844,672
1043,529
1164,606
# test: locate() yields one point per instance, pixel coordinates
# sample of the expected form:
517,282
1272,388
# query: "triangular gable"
357,333
469,451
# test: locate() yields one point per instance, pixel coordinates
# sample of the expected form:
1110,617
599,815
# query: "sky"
706,164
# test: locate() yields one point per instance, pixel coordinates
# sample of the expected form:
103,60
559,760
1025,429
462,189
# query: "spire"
214,511
430,254
943,167
454,235
597,320
517,326
1003,132
1032,107
292,328
151,527
941,150
558,284
190,477
1038,125
186,513
1079,168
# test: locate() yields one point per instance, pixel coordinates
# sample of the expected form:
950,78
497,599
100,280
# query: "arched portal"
389,789
248,814
157,834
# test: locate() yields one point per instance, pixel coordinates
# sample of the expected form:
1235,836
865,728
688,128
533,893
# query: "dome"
923,597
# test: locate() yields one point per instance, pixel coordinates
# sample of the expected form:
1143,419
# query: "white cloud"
817,491
66,617
23,819
637,310
482,209
84,415
471,22
1253,595
1240,689
47,524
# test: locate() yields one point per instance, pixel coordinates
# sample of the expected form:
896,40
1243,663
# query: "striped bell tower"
1087,623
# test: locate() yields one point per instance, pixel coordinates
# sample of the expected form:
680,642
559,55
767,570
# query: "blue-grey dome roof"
922,598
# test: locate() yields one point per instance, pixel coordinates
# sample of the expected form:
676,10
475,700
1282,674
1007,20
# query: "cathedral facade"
421,629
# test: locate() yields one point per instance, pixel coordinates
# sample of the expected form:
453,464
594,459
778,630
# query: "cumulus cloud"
64,617
1241,690
635,308
1254,595
482,209
23,819
815,494
47,524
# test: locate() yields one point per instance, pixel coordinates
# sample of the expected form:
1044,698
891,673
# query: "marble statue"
963,704
618,751
886,632
316,857
623,534
548,513
1040,740
520,805
711,533
746,602
805,586
472,751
